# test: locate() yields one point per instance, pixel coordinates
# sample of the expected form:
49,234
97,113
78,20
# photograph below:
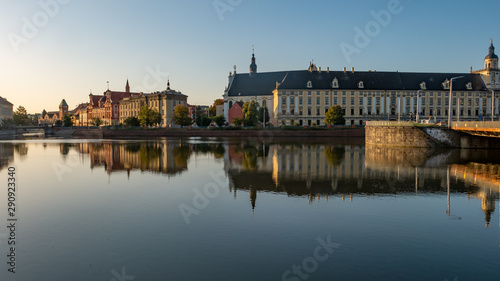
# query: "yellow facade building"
303,97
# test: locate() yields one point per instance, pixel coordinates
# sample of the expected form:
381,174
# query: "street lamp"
418,105
449,102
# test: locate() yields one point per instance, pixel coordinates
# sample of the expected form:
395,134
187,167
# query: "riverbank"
105,133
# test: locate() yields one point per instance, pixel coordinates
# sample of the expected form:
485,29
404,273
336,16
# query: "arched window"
230,104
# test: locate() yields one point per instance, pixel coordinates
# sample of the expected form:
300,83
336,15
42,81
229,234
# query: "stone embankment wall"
415,136
264,134
398,136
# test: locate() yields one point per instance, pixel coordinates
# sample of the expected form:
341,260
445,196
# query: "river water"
247,209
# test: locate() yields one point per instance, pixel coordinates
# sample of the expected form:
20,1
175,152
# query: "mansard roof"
266,83
257,84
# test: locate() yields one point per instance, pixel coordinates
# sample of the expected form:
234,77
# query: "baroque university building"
304,96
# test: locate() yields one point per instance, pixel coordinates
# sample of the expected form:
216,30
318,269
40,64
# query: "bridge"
478,128
466,134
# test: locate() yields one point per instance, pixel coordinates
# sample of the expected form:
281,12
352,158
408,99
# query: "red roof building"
235,111
106,106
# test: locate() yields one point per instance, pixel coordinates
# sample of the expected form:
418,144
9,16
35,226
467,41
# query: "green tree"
219,120
335,116
250,113
238,121
7,123
21,116
67,122
132,122
204,121
149,116
212,111
264,114
96,122
181,116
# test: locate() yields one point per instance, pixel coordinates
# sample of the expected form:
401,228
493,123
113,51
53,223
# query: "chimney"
328,70
352,69
344,69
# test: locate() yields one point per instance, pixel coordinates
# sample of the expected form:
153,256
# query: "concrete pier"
408,134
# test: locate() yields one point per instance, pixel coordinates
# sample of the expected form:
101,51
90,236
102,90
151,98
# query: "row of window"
424,112
432,101
431,94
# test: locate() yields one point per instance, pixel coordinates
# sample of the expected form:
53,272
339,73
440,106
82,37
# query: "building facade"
6,109
303,97
106,106
164,102
51,117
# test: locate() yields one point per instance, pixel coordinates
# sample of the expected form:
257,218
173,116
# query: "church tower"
63,109
127,88
490,73
491,60
253,65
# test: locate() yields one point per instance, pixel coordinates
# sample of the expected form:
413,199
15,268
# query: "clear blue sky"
81,44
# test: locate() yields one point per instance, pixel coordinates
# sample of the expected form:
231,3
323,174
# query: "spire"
127,87
253,65
168,85
491,53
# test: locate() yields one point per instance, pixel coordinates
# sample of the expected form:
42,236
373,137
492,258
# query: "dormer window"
446,84
335,83
309,84
423,86
361,85
469,86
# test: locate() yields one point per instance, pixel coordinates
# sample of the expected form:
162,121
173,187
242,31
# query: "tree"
181,116
6,123
149,116
202,119
96,122
250,113
219,120
238,121
335,116
212,111
132,122
67,122
21,116
264,112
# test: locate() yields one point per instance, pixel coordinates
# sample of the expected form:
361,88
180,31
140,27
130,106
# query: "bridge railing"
476,124
389,123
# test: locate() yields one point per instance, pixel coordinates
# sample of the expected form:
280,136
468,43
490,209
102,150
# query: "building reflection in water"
318,171
312,170
7,153
160,157
163,157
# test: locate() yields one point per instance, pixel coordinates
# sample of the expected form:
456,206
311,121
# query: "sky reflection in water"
219,209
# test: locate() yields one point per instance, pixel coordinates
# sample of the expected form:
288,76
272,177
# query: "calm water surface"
233,209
